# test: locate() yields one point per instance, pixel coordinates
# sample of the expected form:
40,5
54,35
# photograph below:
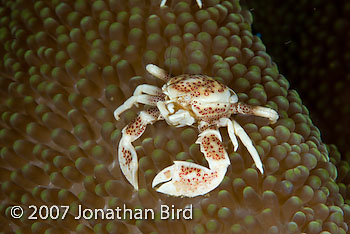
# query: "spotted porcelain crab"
188,100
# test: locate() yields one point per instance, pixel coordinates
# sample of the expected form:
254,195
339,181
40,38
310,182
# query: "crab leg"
147,89
190,179
247,142
199,3
226,122
126,152
157,71
261,111
133,100
163,3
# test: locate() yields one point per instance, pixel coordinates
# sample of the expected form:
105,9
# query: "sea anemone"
66,66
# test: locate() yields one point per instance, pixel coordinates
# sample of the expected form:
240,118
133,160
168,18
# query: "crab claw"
188,179
128,161
126,152
211,146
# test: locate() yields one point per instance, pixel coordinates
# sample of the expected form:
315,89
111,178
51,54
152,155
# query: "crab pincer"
126,152
190,179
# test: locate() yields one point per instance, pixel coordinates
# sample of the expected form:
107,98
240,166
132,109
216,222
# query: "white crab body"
196,88
199,94
192,100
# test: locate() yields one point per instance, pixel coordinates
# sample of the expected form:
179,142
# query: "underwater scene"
177,116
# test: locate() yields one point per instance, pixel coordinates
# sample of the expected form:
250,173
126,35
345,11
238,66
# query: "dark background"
310,43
